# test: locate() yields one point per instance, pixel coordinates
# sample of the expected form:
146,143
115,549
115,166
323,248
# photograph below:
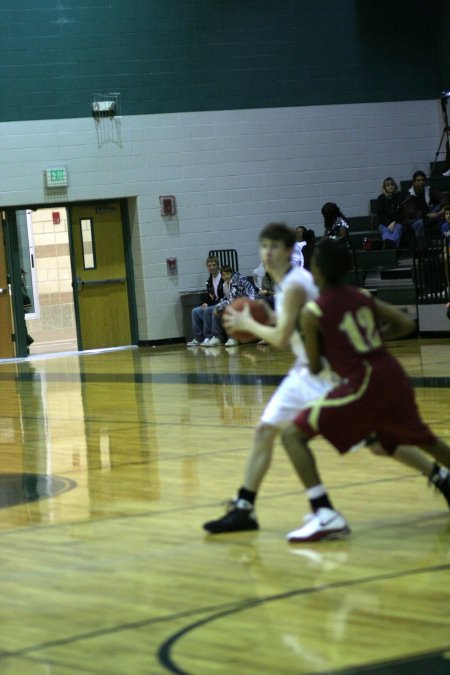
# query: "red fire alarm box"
56,217
172,267
168,205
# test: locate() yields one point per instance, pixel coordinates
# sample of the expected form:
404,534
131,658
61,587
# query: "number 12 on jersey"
361,329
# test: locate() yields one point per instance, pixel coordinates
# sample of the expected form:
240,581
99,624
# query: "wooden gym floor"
111,462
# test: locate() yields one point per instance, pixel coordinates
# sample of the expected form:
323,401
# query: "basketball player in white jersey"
294,287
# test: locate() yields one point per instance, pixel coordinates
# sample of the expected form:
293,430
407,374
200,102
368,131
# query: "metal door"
99,275
7,346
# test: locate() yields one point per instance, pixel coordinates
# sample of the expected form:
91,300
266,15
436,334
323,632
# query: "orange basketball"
258,310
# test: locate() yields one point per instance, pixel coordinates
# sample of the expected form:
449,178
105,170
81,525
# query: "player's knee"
290,435
266,433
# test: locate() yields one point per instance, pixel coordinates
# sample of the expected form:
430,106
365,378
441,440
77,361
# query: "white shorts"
298,388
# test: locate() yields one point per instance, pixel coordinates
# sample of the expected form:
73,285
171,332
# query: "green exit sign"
56,176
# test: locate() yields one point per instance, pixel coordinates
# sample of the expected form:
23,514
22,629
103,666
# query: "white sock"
316,491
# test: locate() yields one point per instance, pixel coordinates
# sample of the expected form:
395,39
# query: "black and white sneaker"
440,479
239,517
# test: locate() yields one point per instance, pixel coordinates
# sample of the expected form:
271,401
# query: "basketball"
258,310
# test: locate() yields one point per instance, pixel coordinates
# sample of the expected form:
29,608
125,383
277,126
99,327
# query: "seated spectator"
303,246
267,293
307,240
235,285
423,210
202,316
297,253
445,227
389,203
336,226
264,284
258,274
267,290
265,287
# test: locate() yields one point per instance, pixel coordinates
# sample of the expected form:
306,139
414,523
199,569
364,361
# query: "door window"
88,243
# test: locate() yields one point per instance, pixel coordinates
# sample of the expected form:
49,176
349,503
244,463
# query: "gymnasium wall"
170,56
245,111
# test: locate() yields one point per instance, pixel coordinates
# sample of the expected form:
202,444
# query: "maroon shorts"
378,400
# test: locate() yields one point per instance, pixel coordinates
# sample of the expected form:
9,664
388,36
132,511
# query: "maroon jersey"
349,329
375,394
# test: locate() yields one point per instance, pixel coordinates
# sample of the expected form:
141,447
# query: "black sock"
321,502
250,496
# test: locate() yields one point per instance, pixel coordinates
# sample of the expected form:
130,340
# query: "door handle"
4,290
98,282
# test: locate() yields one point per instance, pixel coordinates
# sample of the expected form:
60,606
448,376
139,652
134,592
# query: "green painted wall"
189,55
440,43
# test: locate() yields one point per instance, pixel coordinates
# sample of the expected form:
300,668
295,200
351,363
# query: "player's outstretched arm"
394,322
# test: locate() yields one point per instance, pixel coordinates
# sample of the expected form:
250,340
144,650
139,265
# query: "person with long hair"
389,203
303,246
336,226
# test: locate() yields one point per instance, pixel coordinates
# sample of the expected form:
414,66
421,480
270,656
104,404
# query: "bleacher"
406,276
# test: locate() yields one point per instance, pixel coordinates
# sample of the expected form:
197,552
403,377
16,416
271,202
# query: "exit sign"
56,176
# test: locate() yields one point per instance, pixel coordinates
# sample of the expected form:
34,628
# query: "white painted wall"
231,172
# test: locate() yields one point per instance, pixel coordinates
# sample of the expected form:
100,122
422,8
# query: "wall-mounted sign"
56,177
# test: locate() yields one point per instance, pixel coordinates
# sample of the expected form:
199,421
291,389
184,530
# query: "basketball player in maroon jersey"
374,396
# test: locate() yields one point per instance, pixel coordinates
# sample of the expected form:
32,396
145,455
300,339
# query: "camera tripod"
445,134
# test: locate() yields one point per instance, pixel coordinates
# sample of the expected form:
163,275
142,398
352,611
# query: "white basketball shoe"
324,524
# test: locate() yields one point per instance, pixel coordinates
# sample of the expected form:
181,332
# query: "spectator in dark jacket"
389,204
202,316
423,208
307,239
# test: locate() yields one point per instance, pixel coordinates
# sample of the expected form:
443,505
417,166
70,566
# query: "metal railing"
431,269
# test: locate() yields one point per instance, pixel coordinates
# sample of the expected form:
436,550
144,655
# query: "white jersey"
299,387
297,277
297,254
